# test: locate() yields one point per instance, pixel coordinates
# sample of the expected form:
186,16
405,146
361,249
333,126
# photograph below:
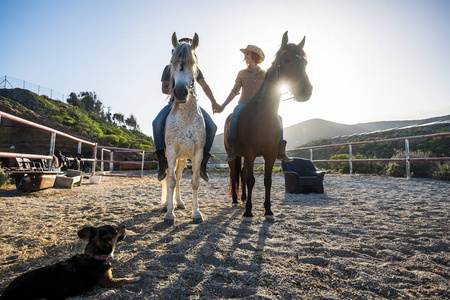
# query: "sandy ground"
367,237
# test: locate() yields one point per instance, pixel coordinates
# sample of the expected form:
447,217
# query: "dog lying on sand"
79,274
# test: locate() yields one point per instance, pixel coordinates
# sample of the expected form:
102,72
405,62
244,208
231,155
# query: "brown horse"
259,127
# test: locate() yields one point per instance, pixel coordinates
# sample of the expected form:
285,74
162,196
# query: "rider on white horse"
160,121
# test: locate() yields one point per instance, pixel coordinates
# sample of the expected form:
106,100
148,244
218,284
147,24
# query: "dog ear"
85,233
120,231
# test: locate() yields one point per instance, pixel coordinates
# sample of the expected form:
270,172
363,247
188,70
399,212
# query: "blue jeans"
234,121
159,127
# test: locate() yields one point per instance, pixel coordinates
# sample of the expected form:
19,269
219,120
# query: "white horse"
185,132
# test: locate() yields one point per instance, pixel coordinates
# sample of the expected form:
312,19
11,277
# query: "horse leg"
181,163
169,217
197,216
164,193
243,176
250,180
235,170
268,186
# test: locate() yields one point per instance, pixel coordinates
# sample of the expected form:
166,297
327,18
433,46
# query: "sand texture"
366,237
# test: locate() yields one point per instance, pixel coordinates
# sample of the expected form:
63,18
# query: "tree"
98,108
131,122
119,118
73,100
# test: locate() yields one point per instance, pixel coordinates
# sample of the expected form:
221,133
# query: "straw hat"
254,49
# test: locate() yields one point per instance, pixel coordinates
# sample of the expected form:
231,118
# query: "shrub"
111,139
368,167
423,169
442,172
341,167
4,178
123,142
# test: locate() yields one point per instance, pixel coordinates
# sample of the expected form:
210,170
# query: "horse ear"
195,41
284,41
302,43
175,42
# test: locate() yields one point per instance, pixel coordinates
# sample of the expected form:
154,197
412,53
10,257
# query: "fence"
54,133
142,162
407,158
94,160
8,82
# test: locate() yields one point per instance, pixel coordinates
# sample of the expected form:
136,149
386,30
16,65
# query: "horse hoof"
270,218
169,221
182,206
247,219
197,220
235,204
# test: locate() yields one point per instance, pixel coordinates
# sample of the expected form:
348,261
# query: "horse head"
183,68
291,69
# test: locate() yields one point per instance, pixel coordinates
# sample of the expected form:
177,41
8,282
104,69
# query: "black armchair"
301,177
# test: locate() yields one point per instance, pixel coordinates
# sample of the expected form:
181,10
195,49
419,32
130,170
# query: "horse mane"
272,70
186,54
270,74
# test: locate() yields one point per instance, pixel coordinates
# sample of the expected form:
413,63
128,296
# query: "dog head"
101,240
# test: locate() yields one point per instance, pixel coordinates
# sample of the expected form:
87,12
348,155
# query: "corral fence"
54,133
407,159
104,150
106,159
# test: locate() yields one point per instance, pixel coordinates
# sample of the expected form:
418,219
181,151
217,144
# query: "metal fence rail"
407,158
111,150
54,133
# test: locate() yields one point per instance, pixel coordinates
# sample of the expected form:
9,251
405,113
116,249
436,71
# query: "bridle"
278,67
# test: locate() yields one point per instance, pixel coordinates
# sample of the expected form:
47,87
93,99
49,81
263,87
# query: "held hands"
217,108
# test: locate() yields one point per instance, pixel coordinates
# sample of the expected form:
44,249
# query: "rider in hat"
249,80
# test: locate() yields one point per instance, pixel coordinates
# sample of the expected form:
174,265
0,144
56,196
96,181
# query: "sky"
367,60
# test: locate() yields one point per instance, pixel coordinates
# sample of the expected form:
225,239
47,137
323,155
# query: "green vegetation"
419,148
84,115
4,178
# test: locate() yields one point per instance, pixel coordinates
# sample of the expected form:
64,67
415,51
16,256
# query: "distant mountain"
317,129
383,125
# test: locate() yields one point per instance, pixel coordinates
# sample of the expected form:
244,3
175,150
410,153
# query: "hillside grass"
78,121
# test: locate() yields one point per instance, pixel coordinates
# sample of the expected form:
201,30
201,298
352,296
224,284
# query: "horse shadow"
204,261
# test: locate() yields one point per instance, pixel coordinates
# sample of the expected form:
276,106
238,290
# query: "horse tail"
238,170
238,175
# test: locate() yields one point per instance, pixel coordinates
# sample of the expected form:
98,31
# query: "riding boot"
232,150
205,159
162,166
282,151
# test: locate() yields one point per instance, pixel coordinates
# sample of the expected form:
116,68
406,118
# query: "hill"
62,117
